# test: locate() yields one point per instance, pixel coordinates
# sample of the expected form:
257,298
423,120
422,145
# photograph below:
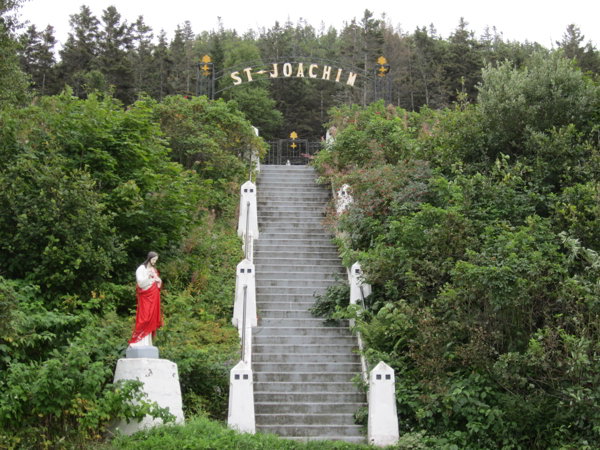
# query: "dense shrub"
481,243
87,188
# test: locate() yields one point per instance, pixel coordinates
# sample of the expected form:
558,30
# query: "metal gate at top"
291,151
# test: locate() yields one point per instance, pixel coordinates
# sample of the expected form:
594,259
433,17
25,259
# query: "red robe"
148,317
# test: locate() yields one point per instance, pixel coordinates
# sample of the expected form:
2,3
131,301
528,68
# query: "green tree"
80,49
141,56
550,92
161,67
252,99
114,43
37,58
587,56
464,62
14,82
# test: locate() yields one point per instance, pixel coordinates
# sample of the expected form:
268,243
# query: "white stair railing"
241,391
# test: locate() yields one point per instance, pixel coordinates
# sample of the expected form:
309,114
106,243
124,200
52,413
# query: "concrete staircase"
302,367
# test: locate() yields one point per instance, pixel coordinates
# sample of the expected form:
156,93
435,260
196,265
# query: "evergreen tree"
13,81
37,58
253,98
141,56
183,74
427,68
587,56
80,50
464,62
162,65
114,43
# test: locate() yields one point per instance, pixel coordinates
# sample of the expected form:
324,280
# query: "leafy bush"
486,283
55,380
336,297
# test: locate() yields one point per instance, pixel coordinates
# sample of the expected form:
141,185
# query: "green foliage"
336,297
54,229
56,370
87,189
207,136
201,433
548,93
14,83
481,245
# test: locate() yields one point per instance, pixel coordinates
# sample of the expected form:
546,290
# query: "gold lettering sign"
287,70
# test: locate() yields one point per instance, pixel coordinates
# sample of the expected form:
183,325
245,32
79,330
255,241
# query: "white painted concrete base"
383,418
241,399
161,383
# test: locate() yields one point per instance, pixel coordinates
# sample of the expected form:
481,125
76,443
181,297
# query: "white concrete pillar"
248,194
241,399
356,283
383,418
343,199
245,276
161,384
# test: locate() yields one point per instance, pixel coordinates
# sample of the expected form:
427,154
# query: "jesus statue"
148,317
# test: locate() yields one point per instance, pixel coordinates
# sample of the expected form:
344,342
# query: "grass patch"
203,434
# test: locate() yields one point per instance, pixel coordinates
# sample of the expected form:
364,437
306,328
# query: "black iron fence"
294,151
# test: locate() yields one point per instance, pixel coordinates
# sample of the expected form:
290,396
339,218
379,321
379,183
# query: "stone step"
300,323
305,358
304,349
266,255
275,290
290,208
291,225
294,235
291,187
297,275
305,439
264,336
307,408
317,204
293,183
322,431
292,283
331,262
297,198
310,242
297,268
304,419
306,366
301,298
303,377
314,220
309,397
289,245
286,314
287,387
264,215
283,306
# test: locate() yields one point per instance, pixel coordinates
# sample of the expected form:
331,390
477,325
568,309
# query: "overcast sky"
543,21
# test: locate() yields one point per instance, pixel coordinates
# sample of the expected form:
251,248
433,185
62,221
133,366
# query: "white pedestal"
241,399
383,427
161,383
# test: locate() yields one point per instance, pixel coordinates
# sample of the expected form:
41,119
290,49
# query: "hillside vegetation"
478,227
87,188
